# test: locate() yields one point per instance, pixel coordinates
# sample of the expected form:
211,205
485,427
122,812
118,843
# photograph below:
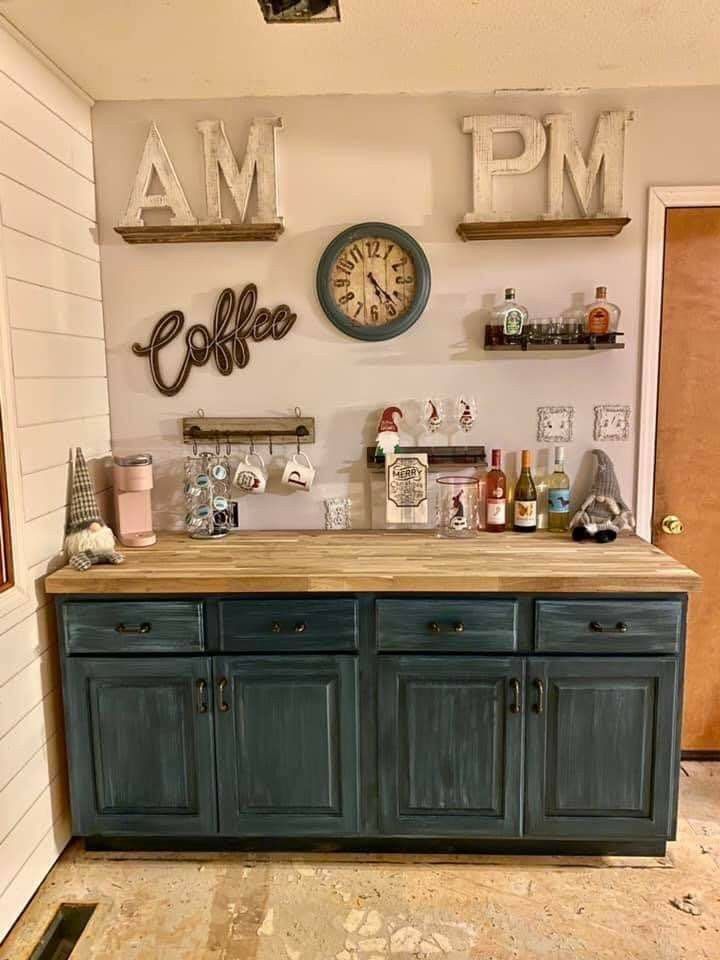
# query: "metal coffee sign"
237,322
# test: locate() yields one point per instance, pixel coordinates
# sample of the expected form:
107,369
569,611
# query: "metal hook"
298,412
270,443
228,446
298,441
252,443
217,446
195,448
200,412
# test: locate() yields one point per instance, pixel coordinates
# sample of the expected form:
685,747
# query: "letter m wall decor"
259,166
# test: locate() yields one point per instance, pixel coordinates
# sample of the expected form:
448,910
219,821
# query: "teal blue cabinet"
450,745
287,745
140,744
601,747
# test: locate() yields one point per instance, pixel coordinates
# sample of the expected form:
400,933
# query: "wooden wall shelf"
542,229
202,233
559,347
473,456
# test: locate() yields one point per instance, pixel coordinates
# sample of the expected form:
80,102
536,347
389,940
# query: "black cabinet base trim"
518,847
704,756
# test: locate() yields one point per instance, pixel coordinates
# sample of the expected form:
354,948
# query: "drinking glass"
458,513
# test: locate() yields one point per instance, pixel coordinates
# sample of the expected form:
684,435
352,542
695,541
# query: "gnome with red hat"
388,437
88,538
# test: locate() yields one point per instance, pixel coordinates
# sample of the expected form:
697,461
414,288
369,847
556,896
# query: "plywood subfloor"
280,907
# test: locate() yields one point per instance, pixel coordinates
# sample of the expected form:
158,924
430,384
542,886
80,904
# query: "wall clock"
373,281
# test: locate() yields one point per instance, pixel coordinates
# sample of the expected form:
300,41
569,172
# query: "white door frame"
659,200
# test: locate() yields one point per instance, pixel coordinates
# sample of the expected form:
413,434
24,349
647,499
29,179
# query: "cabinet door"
450,745
287,745
601,752
140,743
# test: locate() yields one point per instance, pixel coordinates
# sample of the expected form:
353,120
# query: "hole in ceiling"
300,11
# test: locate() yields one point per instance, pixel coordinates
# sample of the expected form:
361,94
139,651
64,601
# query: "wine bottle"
559,494
525,516
496,486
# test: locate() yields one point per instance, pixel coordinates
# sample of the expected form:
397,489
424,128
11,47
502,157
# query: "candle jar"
458,506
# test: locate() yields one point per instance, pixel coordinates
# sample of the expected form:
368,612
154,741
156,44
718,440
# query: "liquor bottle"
496,487
601,316
525,516
559,494
511,316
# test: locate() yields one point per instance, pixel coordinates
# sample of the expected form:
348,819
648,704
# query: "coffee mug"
297,473
251,477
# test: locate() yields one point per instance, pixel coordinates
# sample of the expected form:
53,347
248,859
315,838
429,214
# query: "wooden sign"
259,166
236,320
555,136
406,478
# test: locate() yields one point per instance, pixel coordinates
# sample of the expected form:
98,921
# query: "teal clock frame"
422,270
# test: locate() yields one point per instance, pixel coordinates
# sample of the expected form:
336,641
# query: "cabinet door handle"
223,707
434,627
515,687
460,627
539,705
202,700
134,629
300,628
620,627
275,627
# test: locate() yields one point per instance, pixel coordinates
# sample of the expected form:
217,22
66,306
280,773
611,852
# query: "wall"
404,160
51,319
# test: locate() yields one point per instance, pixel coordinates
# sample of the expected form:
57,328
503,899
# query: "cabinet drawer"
608,626
445,624
282,625
126,626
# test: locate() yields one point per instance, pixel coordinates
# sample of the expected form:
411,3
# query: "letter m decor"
180,225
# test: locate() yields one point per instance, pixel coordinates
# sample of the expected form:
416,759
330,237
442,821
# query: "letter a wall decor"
259,166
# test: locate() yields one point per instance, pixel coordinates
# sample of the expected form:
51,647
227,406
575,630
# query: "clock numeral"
374,313
356,254
346,298
391,246
341,283
373,248
345,266
401,263
360,306
390,307
405,279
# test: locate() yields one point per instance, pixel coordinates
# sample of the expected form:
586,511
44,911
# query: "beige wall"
55,392
404,160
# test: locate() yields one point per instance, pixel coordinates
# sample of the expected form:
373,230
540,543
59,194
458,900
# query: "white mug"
251,477
297,473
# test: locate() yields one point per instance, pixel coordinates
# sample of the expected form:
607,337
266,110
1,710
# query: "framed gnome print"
373,281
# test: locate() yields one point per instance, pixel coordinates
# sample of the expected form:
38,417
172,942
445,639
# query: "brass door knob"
672,525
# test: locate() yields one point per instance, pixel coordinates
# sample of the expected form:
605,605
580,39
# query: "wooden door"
451,745
688,448
140,740
287,745
601,747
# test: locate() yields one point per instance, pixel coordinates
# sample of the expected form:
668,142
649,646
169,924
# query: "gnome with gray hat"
88,538
603,514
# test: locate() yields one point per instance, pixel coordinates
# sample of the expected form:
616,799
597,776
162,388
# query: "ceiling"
146,49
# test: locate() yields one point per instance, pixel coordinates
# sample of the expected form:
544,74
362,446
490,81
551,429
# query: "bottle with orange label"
601,316
496,487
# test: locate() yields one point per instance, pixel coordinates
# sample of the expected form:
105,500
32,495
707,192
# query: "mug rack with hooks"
225,432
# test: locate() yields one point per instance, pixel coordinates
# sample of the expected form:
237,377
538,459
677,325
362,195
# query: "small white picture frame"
555,424
612,422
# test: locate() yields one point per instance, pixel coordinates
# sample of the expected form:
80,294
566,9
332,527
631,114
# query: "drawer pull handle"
515,687
134,630
460,627
539,705
202,701
300,628
276,628
434,627
620,627
223,707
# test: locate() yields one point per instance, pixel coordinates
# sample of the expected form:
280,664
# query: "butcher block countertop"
370,561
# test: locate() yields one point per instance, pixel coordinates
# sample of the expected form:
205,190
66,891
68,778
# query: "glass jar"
458,506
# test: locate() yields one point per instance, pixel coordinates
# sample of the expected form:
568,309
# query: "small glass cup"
458,501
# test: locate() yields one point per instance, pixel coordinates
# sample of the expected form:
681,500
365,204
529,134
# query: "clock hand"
379,290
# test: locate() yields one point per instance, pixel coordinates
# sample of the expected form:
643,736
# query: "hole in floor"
63,931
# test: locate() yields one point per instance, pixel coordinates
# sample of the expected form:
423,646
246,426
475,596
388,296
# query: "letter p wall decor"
258,166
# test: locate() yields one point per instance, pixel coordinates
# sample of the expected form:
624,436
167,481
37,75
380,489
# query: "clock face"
373,281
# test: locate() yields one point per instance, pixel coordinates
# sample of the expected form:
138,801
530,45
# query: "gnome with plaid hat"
88,538
603,514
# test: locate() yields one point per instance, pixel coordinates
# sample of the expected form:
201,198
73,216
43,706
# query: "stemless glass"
457,506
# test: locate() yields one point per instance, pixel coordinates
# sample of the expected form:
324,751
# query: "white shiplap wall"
53,314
